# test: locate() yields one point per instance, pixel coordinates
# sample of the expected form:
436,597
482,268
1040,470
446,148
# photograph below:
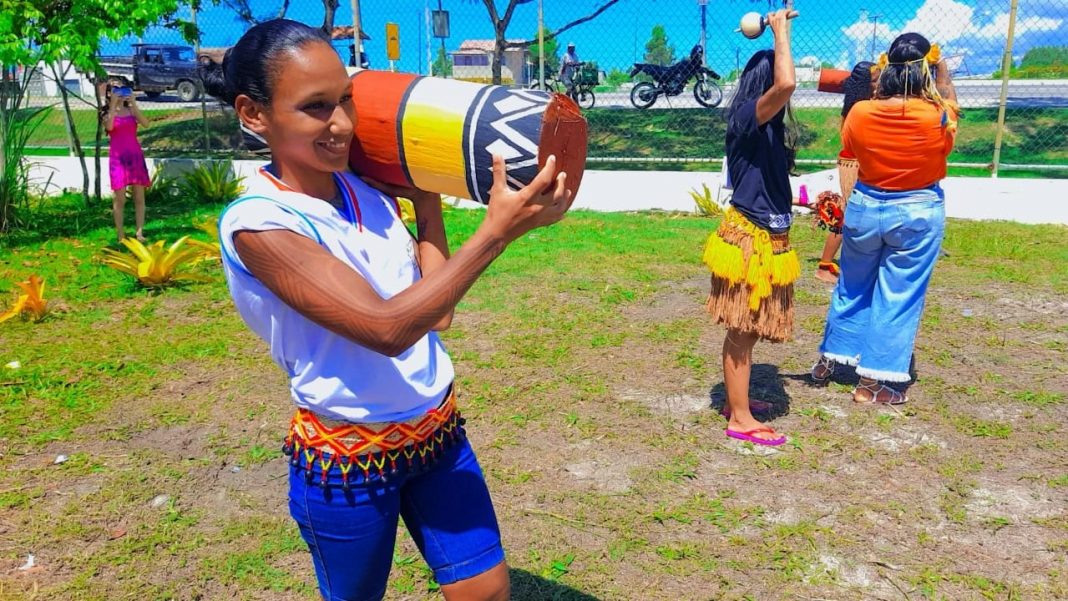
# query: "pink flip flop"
748,437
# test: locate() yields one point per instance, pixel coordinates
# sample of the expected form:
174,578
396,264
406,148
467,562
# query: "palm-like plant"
156,265
31,304
212,182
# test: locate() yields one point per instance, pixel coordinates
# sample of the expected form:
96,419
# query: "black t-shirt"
757,166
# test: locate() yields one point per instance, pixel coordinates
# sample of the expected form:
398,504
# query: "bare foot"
824,275
140,237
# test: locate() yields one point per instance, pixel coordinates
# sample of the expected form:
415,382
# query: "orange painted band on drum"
832,80
378,98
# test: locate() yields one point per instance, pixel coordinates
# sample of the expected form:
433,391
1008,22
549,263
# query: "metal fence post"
1006,67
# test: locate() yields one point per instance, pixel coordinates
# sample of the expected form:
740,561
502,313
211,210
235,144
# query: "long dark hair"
756,79
249,65
906,73
857,86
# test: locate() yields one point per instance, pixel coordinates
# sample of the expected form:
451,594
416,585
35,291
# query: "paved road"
973,93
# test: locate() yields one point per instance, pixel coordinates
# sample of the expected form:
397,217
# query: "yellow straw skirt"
753,274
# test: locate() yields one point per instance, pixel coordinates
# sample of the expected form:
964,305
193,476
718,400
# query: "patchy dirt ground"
595,419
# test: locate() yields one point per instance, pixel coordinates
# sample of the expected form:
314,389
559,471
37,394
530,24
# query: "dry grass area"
588,374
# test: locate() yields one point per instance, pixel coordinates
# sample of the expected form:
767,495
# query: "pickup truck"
156,68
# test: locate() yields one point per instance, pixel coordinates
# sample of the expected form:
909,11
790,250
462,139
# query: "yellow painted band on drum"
436,108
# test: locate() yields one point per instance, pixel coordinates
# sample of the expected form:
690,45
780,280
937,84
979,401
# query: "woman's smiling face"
309,122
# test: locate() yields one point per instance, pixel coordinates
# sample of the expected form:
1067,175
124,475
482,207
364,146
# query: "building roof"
483,45
345,31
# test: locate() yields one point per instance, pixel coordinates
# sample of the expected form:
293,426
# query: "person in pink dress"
126,160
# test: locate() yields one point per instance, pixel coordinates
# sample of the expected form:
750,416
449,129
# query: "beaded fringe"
415,457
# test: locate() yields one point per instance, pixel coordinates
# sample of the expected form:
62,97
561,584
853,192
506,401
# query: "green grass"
584,344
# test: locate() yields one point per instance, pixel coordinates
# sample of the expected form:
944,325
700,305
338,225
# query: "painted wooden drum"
832,80
440,134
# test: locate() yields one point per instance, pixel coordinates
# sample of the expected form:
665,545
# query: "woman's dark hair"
249,65
857,86
905,74
756,79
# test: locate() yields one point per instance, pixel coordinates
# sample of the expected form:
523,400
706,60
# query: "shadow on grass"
765,384
530,587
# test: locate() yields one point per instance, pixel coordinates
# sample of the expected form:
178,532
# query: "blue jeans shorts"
351,531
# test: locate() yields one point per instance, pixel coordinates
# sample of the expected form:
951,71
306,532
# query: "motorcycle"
672,80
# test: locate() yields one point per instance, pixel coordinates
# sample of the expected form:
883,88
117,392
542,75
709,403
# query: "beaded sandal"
873,392
823,371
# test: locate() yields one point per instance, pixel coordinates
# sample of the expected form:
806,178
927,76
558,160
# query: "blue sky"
836,31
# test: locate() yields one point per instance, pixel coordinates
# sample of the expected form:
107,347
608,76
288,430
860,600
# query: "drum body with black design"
440,135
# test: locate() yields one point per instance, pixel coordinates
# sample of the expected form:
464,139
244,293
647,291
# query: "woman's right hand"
512,213
779,21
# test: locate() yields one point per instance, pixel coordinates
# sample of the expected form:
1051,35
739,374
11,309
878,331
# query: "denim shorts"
351,532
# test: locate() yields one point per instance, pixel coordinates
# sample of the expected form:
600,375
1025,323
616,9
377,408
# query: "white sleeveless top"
328,373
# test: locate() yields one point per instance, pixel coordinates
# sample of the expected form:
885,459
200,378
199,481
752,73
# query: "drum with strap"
440,134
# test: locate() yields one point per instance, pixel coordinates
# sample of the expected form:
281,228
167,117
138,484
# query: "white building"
474,61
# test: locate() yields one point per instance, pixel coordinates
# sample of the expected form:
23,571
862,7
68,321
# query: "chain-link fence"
670,112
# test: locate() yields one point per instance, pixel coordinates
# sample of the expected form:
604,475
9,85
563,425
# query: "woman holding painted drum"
321,267
894,220
753,267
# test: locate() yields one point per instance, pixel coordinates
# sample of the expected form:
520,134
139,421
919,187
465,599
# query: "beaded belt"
372,448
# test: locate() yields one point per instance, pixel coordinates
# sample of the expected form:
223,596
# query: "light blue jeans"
890,243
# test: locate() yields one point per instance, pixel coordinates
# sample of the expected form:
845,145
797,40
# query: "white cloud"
870,37
999,28
865,29
942,21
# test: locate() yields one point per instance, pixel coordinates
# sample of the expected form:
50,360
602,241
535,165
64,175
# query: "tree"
71,30
442,66
329,10
246,16
1045,56
552,57
1040,62
500,28
657,50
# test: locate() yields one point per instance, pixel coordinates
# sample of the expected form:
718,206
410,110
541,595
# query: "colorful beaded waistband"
373,448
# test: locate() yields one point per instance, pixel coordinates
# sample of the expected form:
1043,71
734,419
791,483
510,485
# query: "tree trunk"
99,137
329,8
75,141
498,52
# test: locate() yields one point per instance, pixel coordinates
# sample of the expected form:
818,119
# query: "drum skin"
440,134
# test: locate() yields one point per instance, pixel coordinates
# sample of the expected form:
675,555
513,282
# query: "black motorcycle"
672,80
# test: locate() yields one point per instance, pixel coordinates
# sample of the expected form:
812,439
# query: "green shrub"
213,182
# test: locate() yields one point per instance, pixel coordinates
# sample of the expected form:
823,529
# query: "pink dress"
126,160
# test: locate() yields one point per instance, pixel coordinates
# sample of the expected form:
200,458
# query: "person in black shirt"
753,267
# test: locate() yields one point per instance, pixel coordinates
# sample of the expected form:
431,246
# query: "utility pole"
704,49
1006,66
541,47
356,29
874,28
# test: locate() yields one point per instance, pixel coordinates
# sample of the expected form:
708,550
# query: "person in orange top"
894,220
860,85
